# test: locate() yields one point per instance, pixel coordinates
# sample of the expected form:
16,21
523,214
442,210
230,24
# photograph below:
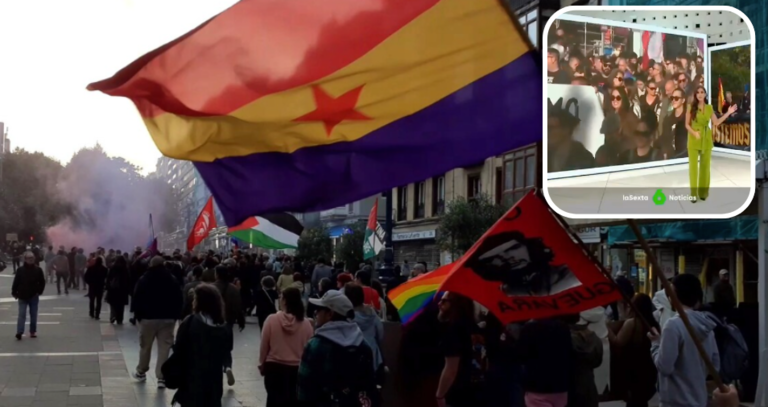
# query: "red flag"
205,222
527,266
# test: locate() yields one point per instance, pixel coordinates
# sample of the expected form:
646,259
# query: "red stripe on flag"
256,48
249,223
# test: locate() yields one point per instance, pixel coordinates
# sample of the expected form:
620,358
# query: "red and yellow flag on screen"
720,97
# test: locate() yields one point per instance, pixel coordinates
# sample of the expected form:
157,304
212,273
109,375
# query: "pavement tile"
18,392
49,403
53,388
90,400
85,391
51,395
16,401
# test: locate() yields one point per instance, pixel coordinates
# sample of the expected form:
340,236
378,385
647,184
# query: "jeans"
280,383
117,312
32,303
59,279
94,308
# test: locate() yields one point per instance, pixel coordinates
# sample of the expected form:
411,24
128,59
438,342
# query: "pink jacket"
283,339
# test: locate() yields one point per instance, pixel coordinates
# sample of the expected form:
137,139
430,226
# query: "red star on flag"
332,111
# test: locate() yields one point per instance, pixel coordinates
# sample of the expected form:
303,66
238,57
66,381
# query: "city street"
76,361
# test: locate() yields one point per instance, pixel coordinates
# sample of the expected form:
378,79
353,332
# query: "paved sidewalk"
76,361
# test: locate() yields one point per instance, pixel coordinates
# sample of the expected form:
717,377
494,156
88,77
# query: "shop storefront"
416,246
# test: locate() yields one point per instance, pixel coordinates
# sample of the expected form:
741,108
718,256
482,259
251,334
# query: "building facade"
5,142
417,207
192,195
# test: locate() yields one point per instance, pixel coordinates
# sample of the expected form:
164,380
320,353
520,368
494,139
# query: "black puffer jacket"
158,295
28,282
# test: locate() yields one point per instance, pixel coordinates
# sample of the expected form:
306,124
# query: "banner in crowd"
527,266
730,66
623,69
584,104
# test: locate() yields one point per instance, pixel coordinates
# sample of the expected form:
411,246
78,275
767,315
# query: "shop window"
438,196
530,23
473,186
402,203
520,173
420,199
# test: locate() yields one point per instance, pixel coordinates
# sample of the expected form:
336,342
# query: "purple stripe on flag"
495,114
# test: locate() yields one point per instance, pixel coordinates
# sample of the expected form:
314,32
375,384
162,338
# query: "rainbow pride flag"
300,106
413,296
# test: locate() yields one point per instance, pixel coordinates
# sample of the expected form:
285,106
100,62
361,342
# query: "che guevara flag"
301,106
205,222
527,266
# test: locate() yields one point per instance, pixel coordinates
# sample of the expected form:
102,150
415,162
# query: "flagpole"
677,306
597,263
389,253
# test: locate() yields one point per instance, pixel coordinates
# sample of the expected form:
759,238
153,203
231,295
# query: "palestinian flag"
374,234
274,231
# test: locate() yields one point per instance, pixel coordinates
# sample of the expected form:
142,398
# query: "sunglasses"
616,98
681,80
653,88
676,98
619,78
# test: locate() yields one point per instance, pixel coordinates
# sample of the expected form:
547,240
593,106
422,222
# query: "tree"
732,66
465,221
349,249
112,202
315,243
29,202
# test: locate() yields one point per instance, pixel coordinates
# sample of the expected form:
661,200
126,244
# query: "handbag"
174,367
275,303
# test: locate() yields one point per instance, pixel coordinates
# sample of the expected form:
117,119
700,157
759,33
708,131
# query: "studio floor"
730,183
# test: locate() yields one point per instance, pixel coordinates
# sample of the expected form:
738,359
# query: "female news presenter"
700,142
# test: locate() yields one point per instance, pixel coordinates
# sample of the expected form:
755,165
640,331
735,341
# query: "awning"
738,228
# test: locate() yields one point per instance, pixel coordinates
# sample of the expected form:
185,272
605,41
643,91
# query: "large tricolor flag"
275,231
374,234
322,100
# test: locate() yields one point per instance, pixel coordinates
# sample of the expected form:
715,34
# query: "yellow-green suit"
698,171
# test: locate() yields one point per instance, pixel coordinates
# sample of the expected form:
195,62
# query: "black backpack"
353,381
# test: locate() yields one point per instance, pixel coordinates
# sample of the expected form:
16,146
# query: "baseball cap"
229,262
335,301
724,272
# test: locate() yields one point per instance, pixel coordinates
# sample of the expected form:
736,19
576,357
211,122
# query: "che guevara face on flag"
527,266
521,265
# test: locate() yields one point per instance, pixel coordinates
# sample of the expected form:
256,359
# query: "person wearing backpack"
336,368
734,352
682,375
